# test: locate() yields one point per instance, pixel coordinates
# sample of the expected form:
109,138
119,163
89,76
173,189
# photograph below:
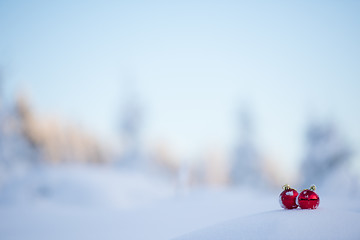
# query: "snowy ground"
92,203
279,224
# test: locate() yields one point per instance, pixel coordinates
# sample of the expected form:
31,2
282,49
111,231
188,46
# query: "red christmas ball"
308,199
287,198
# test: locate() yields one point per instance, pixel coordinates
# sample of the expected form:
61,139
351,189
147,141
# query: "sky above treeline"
191,67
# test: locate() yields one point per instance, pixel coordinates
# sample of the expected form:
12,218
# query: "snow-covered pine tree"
327,156
130,126
245,163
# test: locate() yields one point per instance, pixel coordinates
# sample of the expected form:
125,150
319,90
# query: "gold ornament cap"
286,187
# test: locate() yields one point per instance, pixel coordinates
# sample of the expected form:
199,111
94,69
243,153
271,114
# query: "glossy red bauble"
308,199
287,198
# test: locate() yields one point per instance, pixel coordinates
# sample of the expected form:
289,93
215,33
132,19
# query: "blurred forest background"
30,141
234,95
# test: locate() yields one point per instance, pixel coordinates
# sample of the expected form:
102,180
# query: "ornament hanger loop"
286,187
313,187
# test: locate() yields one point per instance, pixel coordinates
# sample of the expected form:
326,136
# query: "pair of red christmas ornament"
291,199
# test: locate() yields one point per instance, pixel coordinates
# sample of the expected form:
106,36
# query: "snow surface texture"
285,224
82,186
92,203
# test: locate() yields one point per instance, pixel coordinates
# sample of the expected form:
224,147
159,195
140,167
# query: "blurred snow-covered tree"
16,152
130,133
130,128
246,162
327,156
56,141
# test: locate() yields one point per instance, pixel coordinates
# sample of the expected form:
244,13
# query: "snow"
107,203
76,185
283,224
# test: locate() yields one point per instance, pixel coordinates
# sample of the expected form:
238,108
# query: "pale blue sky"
194,65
